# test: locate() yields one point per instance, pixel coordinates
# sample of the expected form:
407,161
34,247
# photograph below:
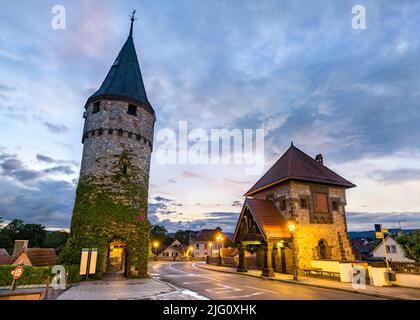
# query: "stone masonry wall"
307,234
110,132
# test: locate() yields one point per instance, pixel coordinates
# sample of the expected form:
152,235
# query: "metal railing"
409,267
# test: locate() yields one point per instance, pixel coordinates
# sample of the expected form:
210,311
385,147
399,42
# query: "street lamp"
292,227
209,253
155,245
219,239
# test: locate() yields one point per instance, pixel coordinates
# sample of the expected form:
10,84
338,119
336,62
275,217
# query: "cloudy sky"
297,69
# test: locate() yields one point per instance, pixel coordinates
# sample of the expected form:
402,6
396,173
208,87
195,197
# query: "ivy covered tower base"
110,211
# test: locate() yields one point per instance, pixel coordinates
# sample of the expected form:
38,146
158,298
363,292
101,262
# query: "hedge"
36,275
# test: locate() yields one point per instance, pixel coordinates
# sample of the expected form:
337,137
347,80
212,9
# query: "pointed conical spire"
124,80
132,22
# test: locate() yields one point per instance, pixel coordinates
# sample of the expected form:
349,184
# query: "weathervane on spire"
132,18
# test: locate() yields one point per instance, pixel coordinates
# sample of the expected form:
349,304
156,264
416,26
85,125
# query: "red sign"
17,272
139,218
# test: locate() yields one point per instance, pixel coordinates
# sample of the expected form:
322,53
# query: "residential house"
207,242
5,258
175,251
37,257
393,250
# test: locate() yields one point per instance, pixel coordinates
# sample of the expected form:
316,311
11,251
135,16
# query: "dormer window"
96,107
132,110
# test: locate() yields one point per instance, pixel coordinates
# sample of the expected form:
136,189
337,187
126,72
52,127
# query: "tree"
159,233
56,240
410,244
184,236
34,233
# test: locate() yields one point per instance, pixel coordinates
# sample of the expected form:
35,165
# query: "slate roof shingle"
124,79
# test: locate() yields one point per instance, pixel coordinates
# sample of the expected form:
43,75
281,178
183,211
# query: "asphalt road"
219,286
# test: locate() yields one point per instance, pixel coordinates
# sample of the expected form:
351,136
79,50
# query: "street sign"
380,231
17,272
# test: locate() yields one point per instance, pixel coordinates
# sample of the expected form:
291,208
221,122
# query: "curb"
377,295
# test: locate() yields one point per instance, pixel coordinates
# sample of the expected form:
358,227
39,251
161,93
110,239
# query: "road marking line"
244,296
223,287
262,289
193,282
154,274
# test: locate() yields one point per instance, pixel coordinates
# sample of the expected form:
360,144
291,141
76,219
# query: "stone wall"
111,198
308,234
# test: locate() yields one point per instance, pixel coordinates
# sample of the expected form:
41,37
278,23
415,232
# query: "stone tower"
110,211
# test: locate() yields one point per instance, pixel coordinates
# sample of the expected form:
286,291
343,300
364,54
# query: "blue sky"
295,68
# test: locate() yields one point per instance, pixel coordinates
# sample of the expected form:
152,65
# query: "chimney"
19,246
319,159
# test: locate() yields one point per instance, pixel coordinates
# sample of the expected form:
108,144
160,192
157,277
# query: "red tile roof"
270,221
42,256
294,164
39,257
5,257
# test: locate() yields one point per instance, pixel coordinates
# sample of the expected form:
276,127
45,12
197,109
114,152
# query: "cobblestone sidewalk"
131,289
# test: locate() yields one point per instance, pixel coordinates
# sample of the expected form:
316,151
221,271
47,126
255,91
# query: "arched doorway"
323,249
116,257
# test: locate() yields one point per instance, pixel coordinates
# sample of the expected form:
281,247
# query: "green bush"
36,275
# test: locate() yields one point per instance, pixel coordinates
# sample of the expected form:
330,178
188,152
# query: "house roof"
40,257
380,242
294,164
269,220
124,80
5,257
207,234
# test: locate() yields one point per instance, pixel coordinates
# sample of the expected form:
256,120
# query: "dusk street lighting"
155,245
292,227
219,239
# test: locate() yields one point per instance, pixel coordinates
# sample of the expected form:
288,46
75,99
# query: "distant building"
4,257
393,250
175,251
362,248
207,242
37,257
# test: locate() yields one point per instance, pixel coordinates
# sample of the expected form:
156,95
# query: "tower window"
120,132
282,204
110,131
335,205
124,169
303,203
100,131
132,109
96,107
320,202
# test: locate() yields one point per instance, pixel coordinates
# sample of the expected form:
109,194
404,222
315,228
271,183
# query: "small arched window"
124,169
323,249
